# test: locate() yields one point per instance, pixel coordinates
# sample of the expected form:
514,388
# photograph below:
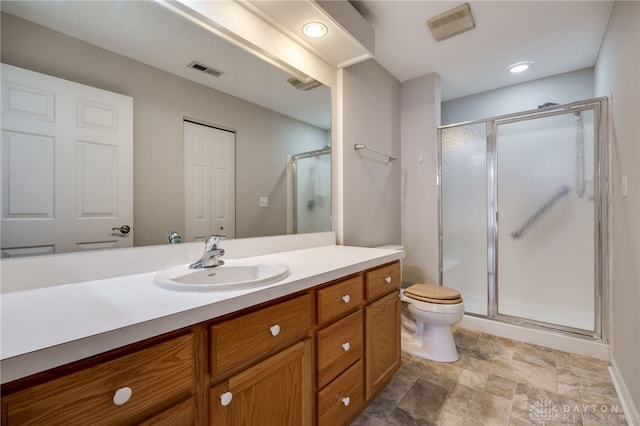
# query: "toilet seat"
431,293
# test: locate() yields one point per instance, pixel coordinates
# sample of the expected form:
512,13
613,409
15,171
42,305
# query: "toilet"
435,309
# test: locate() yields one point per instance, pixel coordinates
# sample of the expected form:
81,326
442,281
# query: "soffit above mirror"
350,38
152,34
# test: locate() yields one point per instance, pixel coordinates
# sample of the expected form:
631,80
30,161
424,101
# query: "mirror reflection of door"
67,166
209,181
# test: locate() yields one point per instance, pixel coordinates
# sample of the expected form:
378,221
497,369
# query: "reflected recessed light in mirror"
314,30
519,67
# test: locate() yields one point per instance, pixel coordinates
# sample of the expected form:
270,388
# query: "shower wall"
561,88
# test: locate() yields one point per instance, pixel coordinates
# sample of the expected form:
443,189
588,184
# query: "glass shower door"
463,213
545,219
312,196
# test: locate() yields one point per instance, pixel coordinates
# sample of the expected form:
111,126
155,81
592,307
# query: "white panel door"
67,165
209,156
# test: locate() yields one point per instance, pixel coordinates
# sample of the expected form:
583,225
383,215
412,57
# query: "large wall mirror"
280,125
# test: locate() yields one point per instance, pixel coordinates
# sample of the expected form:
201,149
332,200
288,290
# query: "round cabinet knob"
346,401
346,298
388,280
346,346
275,330
122,395
225,398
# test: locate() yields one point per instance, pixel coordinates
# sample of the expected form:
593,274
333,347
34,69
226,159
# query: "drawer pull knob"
225,398
275,330
346,401
122,395
346,298
346,346
388,280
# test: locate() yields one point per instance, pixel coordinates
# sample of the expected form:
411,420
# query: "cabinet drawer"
338,299
339,402
339,346
382,280
244,340
180,414
87,396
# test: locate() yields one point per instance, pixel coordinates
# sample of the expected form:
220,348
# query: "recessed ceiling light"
519,67
314,29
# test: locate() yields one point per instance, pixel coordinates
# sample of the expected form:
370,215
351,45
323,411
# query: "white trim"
628,406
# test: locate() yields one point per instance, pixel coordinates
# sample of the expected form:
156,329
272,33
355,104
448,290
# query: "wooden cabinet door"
277,391
382,347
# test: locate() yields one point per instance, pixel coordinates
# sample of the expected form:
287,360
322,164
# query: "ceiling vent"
204,68
301,85
451,22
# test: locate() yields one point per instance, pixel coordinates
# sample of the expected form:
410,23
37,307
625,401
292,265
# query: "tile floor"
497,381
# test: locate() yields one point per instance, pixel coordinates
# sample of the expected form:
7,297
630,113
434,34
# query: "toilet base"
433,342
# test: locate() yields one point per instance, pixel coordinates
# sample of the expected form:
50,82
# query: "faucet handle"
212,241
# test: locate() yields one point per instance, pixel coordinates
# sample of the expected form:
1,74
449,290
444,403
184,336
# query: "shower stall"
523,216
309,193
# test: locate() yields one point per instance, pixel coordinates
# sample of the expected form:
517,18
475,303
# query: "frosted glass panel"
464,213
546,219
313,194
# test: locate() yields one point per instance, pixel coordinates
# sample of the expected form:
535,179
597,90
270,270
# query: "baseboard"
630,410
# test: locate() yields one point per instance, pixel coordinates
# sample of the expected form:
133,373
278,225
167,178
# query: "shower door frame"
294,169
599,106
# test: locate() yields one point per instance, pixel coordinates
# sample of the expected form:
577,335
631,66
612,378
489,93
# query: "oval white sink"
233,275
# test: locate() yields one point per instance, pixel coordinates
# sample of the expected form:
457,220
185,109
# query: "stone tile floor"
497,381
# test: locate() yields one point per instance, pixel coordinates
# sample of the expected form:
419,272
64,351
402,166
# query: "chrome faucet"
174,237
211,255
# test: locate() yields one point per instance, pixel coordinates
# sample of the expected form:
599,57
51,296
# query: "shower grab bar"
564,190
363,146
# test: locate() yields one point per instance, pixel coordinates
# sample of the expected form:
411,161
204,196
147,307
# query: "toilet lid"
433,294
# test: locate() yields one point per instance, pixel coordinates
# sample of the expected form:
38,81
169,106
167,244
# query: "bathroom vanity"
312,348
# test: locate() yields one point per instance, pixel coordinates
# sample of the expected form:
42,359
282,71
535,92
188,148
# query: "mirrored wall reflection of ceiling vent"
204,68
452,22
301,85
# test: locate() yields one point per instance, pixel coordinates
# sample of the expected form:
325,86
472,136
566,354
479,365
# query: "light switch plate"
264,202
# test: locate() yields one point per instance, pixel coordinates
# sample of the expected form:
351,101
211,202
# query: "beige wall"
161,101
371,183
617,75
420,106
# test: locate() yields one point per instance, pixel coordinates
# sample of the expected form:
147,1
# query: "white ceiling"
557,36
151,34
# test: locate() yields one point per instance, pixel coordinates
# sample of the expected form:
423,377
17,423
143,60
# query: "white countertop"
47,327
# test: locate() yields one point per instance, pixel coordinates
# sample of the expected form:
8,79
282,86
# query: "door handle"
124,229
